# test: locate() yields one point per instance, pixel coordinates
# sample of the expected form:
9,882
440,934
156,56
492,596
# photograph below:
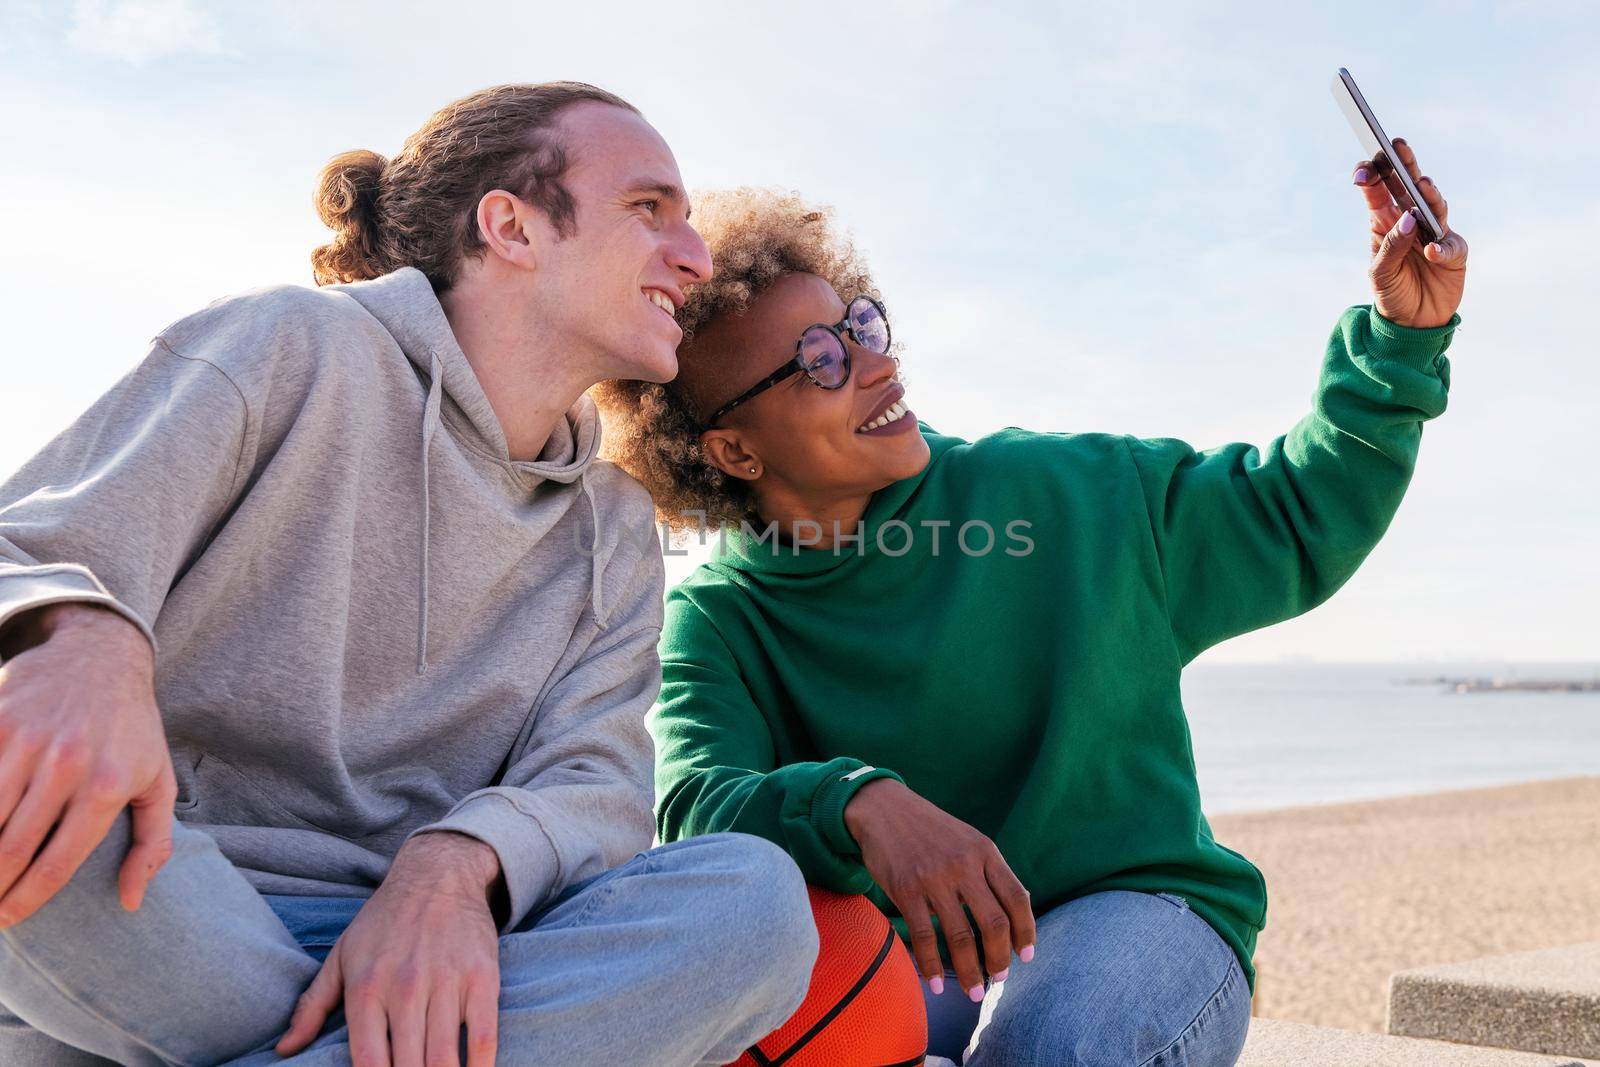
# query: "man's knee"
762,915
92,885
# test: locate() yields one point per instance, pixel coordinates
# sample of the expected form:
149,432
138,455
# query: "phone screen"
1381,151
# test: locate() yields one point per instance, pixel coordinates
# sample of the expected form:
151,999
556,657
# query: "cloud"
138,31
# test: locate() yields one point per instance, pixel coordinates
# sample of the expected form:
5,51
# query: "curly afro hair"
756,236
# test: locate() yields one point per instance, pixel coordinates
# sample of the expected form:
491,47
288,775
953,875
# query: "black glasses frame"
798,366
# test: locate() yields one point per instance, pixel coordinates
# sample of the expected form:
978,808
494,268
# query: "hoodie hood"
405,304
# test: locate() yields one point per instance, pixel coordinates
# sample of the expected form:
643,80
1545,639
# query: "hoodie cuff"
828,802
1414,347
24,589
527,858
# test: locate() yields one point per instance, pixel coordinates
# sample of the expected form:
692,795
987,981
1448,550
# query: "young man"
336,573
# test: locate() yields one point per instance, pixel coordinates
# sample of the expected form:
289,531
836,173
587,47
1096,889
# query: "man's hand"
1412,285
80,739
420,959
925,858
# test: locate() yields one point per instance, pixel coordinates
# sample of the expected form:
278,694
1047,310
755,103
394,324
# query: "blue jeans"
685,955
1119,979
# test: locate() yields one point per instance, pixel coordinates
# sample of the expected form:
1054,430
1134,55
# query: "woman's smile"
888,414
896,419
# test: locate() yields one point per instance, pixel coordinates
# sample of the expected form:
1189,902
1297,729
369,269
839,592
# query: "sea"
1286,734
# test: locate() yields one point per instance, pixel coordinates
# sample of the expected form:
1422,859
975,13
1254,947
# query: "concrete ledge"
1274,1043
1547,1001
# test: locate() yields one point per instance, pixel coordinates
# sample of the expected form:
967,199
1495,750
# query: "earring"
752,470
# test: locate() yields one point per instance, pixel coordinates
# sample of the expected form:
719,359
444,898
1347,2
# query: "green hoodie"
1031,689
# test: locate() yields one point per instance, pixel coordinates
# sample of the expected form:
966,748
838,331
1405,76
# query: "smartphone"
1381,151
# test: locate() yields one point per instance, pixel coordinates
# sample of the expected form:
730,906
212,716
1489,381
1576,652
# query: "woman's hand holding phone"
931,863
1412,284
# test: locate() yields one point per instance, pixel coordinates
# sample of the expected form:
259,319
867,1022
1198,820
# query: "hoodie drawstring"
596,570
430,423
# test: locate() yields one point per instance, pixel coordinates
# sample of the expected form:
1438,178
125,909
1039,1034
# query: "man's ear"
511,228
726,451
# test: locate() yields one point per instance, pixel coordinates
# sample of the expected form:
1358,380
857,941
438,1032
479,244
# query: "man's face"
603,286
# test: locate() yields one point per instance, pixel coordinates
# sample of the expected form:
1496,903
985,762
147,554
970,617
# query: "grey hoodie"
369,621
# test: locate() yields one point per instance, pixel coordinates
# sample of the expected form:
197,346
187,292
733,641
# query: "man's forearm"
452,862
33,628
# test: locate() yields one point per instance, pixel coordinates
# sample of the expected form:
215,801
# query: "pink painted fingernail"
1026,953
937,985
975,994
1408,222
1361,176
1001,974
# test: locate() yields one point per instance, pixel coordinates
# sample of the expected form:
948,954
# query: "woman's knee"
1215,1037
1130,978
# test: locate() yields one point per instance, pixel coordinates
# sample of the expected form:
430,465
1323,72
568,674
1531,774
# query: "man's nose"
688,256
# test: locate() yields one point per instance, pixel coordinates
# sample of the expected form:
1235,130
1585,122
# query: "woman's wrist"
861,812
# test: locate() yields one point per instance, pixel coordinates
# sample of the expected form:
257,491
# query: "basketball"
864,1005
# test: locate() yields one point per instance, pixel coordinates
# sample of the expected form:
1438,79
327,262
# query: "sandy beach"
1358,891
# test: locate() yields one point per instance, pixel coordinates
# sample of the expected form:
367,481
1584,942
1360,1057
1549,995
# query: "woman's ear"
727,452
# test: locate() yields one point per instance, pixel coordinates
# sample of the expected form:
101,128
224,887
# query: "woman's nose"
872,367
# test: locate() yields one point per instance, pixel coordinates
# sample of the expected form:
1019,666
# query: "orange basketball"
864,1005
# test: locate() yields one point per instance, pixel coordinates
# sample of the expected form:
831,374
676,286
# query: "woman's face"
804,440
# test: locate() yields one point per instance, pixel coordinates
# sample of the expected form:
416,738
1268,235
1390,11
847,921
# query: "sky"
1082,217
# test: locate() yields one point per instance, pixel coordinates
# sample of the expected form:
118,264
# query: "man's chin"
659,367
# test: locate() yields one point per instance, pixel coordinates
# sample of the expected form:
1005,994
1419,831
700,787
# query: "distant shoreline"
1510,685
1275,736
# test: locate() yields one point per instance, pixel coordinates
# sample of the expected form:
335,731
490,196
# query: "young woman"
945,673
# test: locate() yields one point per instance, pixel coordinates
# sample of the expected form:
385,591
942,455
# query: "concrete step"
1275,1043
1546,1001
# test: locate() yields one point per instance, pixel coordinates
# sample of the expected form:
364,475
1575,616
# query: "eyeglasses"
821,353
